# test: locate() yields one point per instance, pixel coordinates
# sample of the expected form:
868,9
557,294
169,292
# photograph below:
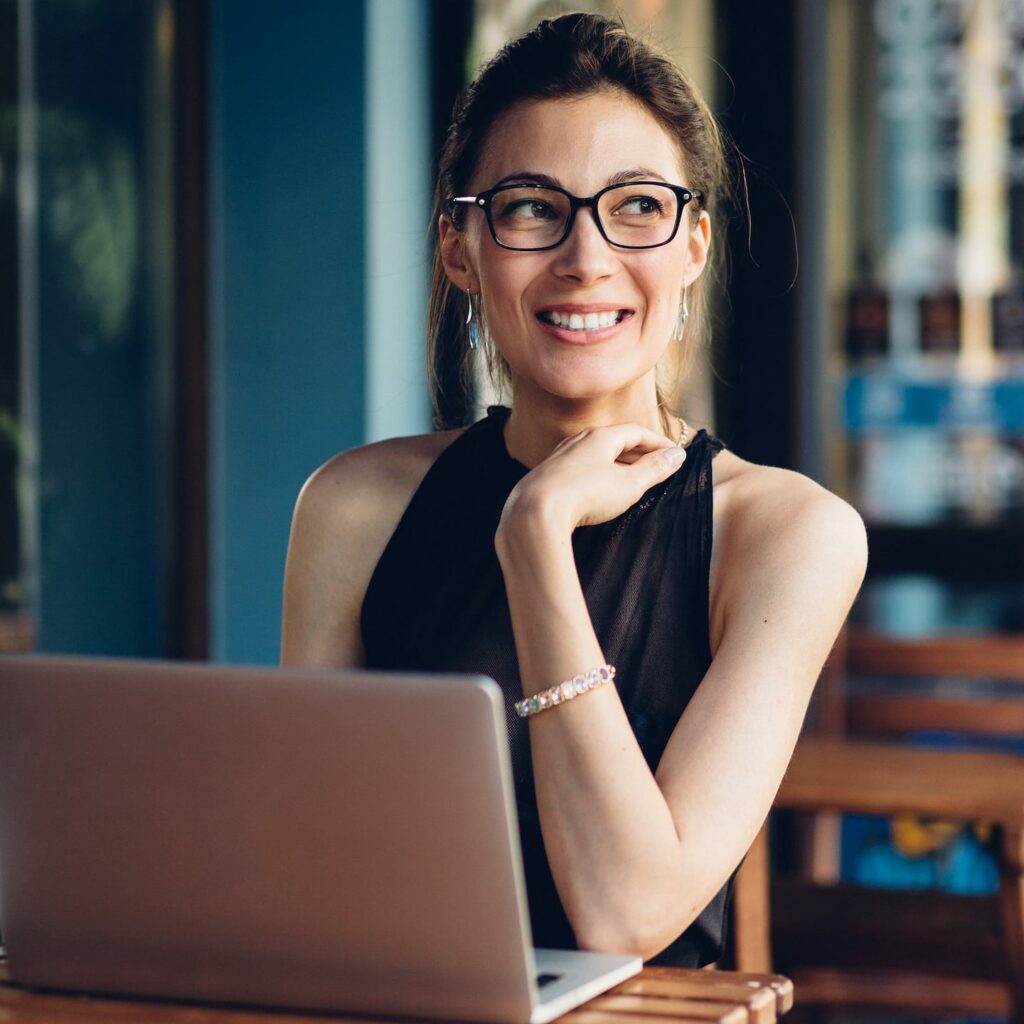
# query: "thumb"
662,463
674,456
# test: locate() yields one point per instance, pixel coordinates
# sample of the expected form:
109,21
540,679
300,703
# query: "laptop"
314,839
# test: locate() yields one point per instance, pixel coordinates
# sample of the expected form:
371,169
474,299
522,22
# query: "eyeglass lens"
532,216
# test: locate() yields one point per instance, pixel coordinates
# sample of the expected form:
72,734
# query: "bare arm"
636,856
323,578
344,516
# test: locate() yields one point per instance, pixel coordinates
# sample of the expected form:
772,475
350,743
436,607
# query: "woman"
587,525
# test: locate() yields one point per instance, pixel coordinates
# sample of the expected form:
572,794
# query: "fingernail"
675,455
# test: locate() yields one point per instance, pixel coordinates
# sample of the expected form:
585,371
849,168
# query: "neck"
540,421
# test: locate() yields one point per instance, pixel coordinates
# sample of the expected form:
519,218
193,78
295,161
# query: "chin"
585,391
580,380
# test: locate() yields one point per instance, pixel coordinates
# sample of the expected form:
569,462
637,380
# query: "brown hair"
570,55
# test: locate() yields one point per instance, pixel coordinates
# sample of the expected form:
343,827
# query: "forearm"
611,841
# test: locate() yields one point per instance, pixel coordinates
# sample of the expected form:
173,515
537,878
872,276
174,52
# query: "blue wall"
96,353
287,288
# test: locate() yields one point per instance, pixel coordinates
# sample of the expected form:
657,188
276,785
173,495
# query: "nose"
585,256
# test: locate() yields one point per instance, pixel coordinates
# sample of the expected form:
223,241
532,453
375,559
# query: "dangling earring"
473,321
684,312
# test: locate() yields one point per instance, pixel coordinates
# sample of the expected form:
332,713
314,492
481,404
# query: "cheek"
506,278
663,283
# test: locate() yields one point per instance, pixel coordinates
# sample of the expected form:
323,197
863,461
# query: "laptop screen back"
289,837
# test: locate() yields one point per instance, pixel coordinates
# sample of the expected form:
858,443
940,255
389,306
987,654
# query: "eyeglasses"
532,218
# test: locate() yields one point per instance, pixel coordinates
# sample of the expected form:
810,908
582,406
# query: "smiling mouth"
582,321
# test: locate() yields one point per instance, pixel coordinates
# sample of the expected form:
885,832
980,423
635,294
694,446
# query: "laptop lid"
320,839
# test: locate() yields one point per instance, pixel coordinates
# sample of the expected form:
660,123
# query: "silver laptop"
329,840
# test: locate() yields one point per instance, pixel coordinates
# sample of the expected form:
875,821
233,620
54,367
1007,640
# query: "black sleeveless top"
436,602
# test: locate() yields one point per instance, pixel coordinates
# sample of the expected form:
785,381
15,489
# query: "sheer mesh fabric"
436,602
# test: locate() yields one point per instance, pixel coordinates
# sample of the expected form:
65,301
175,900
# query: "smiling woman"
655,608
629,251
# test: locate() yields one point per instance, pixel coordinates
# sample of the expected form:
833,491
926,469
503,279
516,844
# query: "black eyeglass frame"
483,201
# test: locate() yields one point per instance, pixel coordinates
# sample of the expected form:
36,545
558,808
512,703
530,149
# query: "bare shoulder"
758,498
372,481
772,523
344,516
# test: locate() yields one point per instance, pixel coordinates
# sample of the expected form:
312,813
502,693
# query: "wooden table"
658,994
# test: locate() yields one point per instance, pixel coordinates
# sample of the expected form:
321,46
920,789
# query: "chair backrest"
988,671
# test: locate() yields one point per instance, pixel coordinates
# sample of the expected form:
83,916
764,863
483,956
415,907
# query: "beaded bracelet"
565,691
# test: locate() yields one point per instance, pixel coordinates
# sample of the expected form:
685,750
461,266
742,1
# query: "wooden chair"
919,950
17,634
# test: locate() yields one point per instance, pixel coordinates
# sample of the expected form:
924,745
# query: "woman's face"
581,144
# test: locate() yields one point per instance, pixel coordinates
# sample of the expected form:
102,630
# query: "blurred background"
214,245
214,251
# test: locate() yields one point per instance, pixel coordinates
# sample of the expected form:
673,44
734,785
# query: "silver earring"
684,312
473,321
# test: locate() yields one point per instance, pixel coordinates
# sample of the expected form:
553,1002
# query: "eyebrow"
536,178
633,174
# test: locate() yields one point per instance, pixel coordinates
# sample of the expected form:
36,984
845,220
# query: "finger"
634,454
572,439
658,465
628,458
624,437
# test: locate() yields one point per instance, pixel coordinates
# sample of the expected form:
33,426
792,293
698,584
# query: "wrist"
531,523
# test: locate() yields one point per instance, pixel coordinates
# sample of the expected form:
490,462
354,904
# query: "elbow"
626,942
634,933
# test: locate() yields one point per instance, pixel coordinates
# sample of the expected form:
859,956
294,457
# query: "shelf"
884,401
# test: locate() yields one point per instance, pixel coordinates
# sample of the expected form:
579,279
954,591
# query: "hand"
592,477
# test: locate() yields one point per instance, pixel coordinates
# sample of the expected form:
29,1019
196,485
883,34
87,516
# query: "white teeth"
582,321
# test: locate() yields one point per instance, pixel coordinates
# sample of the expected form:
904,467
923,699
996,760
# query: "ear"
699,244
453,255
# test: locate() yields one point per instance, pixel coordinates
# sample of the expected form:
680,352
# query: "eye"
639,206
527,209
